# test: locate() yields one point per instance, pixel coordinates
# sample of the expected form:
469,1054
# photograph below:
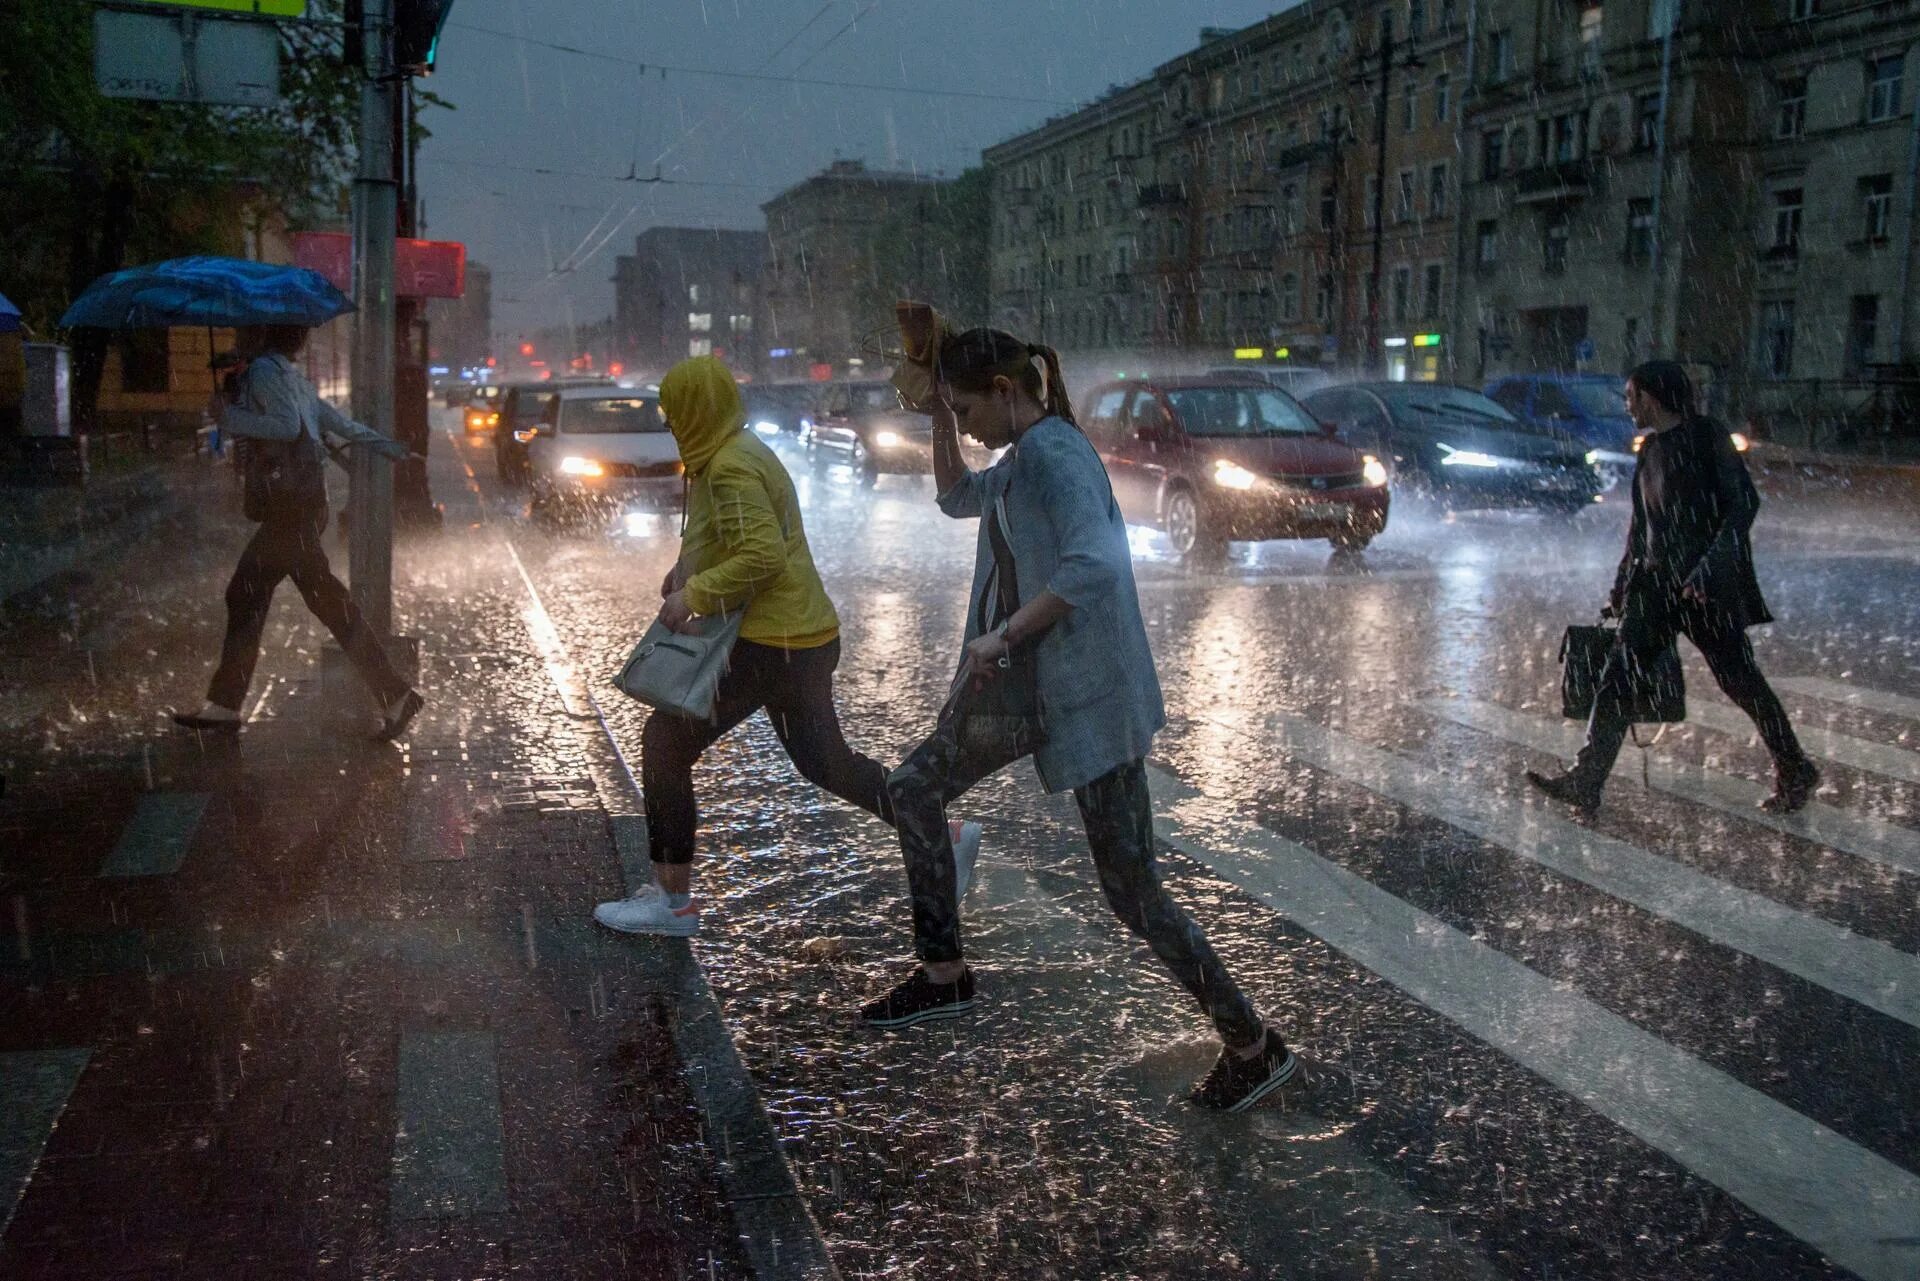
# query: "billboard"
421,268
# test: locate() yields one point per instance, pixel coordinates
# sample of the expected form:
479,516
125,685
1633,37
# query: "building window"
1402,294
1639,230
1559,231
1569,137
1660,18
700,322
1776,339
1487,244
1592,24
1430,295
1646,121
1290,297
1323,298
1876,196
1790,107
144,363
1367,215
1290,208
1416,19
1787,207
699,346
1409,107
1863,333
1630,339
695,293
1499,56
1493,151
1437,191
1801,10
1403,209
1329,207
1883,87
1442,99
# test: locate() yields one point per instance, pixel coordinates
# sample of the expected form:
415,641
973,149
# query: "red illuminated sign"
821,373
421,268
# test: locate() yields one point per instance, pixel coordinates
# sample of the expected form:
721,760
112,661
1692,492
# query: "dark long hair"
972,360
1667,382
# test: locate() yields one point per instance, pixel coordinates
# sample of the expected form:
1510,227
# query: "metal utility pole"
375,215
1655,257
1376,364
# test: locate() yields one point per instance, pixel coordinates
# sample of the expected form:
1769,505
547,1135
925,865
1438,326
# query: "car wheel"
1187,531
864,467
1350,541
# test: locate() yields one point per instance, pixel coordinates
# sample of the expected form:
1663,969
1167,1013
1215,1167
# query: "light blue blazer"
1098,690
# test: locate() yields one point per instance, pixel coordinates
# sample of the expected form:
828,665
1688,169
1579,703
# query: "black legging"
796,688
1649,621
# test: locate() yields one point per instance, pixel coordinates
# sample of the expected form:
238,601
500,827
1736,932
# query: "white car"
604,445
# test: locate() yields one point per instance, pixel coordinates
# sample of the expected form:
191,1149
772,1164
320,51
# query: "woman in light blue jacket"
1057,666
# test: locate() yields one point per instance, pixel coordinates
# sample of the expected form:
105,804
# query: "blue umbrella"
203,290
9,316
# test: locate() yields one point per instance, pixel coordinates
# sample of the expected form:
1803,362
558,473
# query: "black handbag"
278,476
998,717
1658,690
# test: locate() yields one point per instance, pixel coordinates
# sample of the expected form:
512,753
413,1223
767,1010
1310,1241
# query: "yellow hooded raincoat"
744,542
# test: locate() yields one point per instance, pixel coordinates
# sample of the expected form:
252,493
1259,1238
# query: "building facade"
823,293
689,291
460,330
1734,191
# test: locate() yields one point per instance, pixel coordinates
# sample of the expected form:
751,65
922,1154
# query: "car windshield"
531,407
1238,411
883,397
1602,400
1447,402
610,416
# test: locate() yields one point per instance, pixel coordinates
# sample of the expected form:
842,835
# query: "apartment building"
1732,190
689,291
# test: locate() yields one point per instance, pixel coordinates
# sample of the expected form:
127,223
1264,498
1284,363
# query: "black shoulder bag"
998,717
279,476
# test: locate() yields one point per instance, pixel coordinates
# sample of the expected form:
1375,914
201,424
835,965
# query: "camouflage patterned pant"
1119,818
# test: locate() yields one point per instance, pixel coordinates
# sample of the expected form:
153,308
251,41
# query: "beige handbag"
680,672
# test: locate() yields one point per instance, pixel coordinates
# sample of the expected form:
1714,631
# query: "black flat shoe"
1567,790
399,716
1792,788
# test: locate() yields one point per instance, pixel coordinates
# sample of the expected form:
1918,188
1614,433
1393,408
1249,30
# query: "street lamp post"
375,226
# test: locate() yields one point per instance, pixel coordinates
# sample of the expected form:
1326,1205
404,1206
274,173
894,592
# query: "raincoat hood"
703,407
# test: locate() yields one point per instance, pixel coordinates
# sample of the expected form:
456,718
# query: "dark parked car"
1209,459
779,409
1460,448
524,407
1592,407
862,424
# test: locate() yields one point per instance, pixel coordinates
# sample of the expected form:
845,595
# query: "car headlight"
1373,471
572,466
1232,475
1639,439
806,424
1740,443
886,439
766,428
1593,456
1451,457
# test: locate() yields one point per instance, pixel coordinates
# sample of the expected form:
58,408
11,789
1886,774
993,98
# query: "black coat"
1693,505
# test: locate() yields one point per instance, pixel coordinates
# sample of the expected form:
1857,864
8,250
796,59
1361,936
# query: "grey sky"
522,106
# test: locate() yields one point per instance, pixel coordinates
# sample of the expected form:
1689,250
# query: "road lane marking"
1843,749
1857,1208
34,1088
1876,700
1861,969
156,839
1860,835
449,1150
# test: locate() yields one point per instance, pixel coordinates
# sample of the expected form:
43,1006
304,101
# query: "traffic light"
416,33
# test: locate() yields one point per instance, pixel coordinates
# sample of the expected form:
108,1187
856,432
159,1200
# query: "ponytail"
1055,401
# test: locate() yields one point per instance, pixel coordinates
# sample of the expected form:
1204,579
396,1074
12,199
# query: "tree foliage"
935,249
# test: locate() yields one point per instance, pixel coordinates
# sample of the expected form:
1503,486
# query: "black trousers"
1649,621
1118,813
287,545
796,688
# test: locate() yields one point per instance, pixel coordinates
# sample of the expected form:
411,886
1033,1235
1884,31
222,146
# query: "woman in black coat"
1688,569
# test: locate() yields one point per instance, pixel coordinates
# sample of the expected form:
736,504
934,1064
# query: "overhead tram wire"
869,86
546,171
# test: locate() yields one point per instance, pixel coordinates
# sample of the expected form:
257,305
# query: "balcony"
1299,155
1162,194
1554,184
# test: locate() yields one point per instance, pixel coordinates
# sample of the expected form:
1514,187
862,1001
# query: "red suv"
1214,458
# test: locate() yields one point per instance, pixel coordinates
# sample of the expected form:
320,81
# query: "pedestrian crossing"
1855,1206
1874,700
1826,744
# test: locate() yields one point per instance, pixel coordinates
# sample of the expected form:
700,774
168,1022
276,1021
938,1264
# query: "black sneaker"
394,721
1568,790
919,1000
1792,787
1236,1084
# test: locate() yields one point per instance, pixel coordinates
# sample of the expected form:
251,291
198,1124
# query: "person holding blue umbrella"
283,420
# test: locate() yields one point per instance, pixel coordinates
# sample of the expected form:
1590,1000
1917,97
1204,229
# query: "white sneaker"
646,912
966,853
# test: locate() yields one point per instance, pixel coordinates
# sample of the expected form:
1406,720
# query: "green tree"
95,183
933,247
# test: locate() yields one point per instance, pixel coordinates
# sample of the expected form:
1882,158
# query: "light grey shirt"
1098,690
278,403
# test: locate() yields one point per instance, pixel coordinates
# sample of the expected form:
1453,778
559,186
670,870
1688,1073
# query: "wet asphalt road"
1672,1042
1688,972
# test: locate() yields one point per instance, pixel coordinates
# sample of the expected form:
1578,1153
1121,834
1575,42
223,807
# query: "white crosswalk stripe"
1860,835
1843,749
1875,700
1861,969
1854,1206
